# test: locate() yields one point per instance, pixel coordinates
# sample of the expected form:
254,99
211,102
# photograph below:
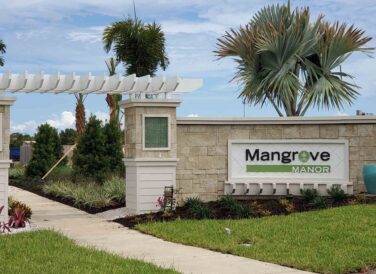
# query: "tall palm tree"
140,47
2,51
80,113
114,99
292,63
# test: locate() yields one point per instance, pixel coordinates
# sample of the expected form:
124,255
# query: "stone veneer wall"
133,133
202,146
5,103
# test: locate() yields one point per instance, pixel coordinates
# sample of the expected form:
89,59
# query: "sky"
65,36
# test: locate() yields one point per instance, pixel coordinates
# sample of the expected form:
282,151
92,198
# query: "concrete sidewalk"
91,230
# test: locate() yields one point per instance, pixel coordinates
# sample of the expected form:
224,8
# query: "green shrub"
17,171
309,195
89,158
234,209
68,136
113,144
319,202
197,209
337,194
47,150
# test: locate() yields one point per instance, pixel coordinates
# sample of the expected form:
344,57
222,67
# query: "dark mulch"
272,206
35,186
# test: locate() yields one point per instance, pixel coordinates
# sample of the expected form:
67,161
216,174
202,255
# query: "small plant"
309,195
3,226
197,209
114,188
13,205
319,202
337,194
17,172
260,211
288,206
234,209
18,219
168,201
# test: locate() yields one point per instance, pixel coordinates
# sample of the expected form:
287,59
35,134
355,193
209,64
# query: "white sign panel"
315,160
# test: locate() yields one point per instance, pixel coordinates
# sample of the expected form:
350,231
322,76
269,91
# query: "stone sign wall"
5,103
202,146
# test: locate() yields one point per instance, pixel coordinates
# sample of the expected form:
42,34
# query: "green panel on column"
156,132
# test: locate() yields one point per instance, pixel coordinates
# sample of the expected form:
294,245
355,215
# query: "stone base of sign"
146,180
203,147
4,167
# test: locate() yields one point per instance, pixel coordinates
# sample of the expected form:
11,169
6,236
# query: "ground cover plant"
89,194
228,207
85,195
50,252
336,240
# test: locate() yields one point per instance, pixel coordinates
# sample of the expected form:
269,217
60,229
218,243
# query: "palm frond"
288,61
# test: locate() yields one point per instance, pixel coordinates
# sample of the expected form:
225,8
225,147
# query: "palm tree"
140,47
286,60
80,113
2,51
113,100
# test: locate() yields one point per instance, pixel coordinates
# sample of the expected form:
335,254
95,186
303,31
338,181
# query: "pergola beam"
88,84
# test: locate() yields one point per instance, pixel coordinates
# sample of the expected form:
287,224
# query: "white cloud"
193,115
103,116
66,120
26,127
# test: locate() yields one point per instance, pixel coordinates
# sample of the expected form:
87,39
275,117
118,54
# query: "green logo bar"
289,168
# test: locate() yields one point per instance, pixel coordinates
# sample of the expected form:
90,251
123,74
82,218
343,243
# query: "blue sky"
65,36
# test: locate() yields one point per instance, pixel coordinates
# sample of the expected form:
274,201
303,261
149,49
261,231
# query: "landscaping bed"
50,252
38,187
336,240
256,208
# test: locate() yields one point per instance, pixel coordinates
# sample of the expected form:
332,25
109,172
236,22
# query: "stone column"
5,103
148,170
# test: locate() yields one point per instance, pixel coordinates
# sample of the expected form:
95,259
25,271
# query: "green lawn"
337,240
49,252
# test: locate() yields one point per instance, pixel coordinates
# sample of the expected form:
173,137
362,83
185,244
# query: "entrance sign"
303,160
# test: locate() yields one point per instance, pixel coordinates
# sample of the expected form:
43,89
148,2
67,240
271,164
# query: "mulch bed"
273,207
35,186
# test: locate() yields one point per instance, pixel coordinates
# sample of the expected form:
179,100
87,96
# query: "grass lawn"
49,252
337,240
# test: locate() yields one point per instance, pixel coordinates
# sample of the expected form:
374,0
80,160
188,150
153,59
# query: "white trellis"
135,87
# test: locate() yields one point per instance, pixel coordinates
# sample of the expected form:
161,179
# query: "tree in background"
113,143
90,158
47,150
3,48
114,99
140,47
17,139
68,136
80,113
285,59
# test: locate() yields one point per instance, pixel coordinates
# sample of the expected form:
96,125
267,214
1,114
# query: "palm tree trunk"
112,106
80,114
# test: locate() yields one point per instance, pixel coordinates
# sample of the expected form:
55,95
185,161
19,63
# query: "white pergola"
135,87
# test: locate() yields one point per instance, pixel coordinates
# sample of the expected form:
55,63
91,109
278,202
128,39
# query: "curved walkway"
91,230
